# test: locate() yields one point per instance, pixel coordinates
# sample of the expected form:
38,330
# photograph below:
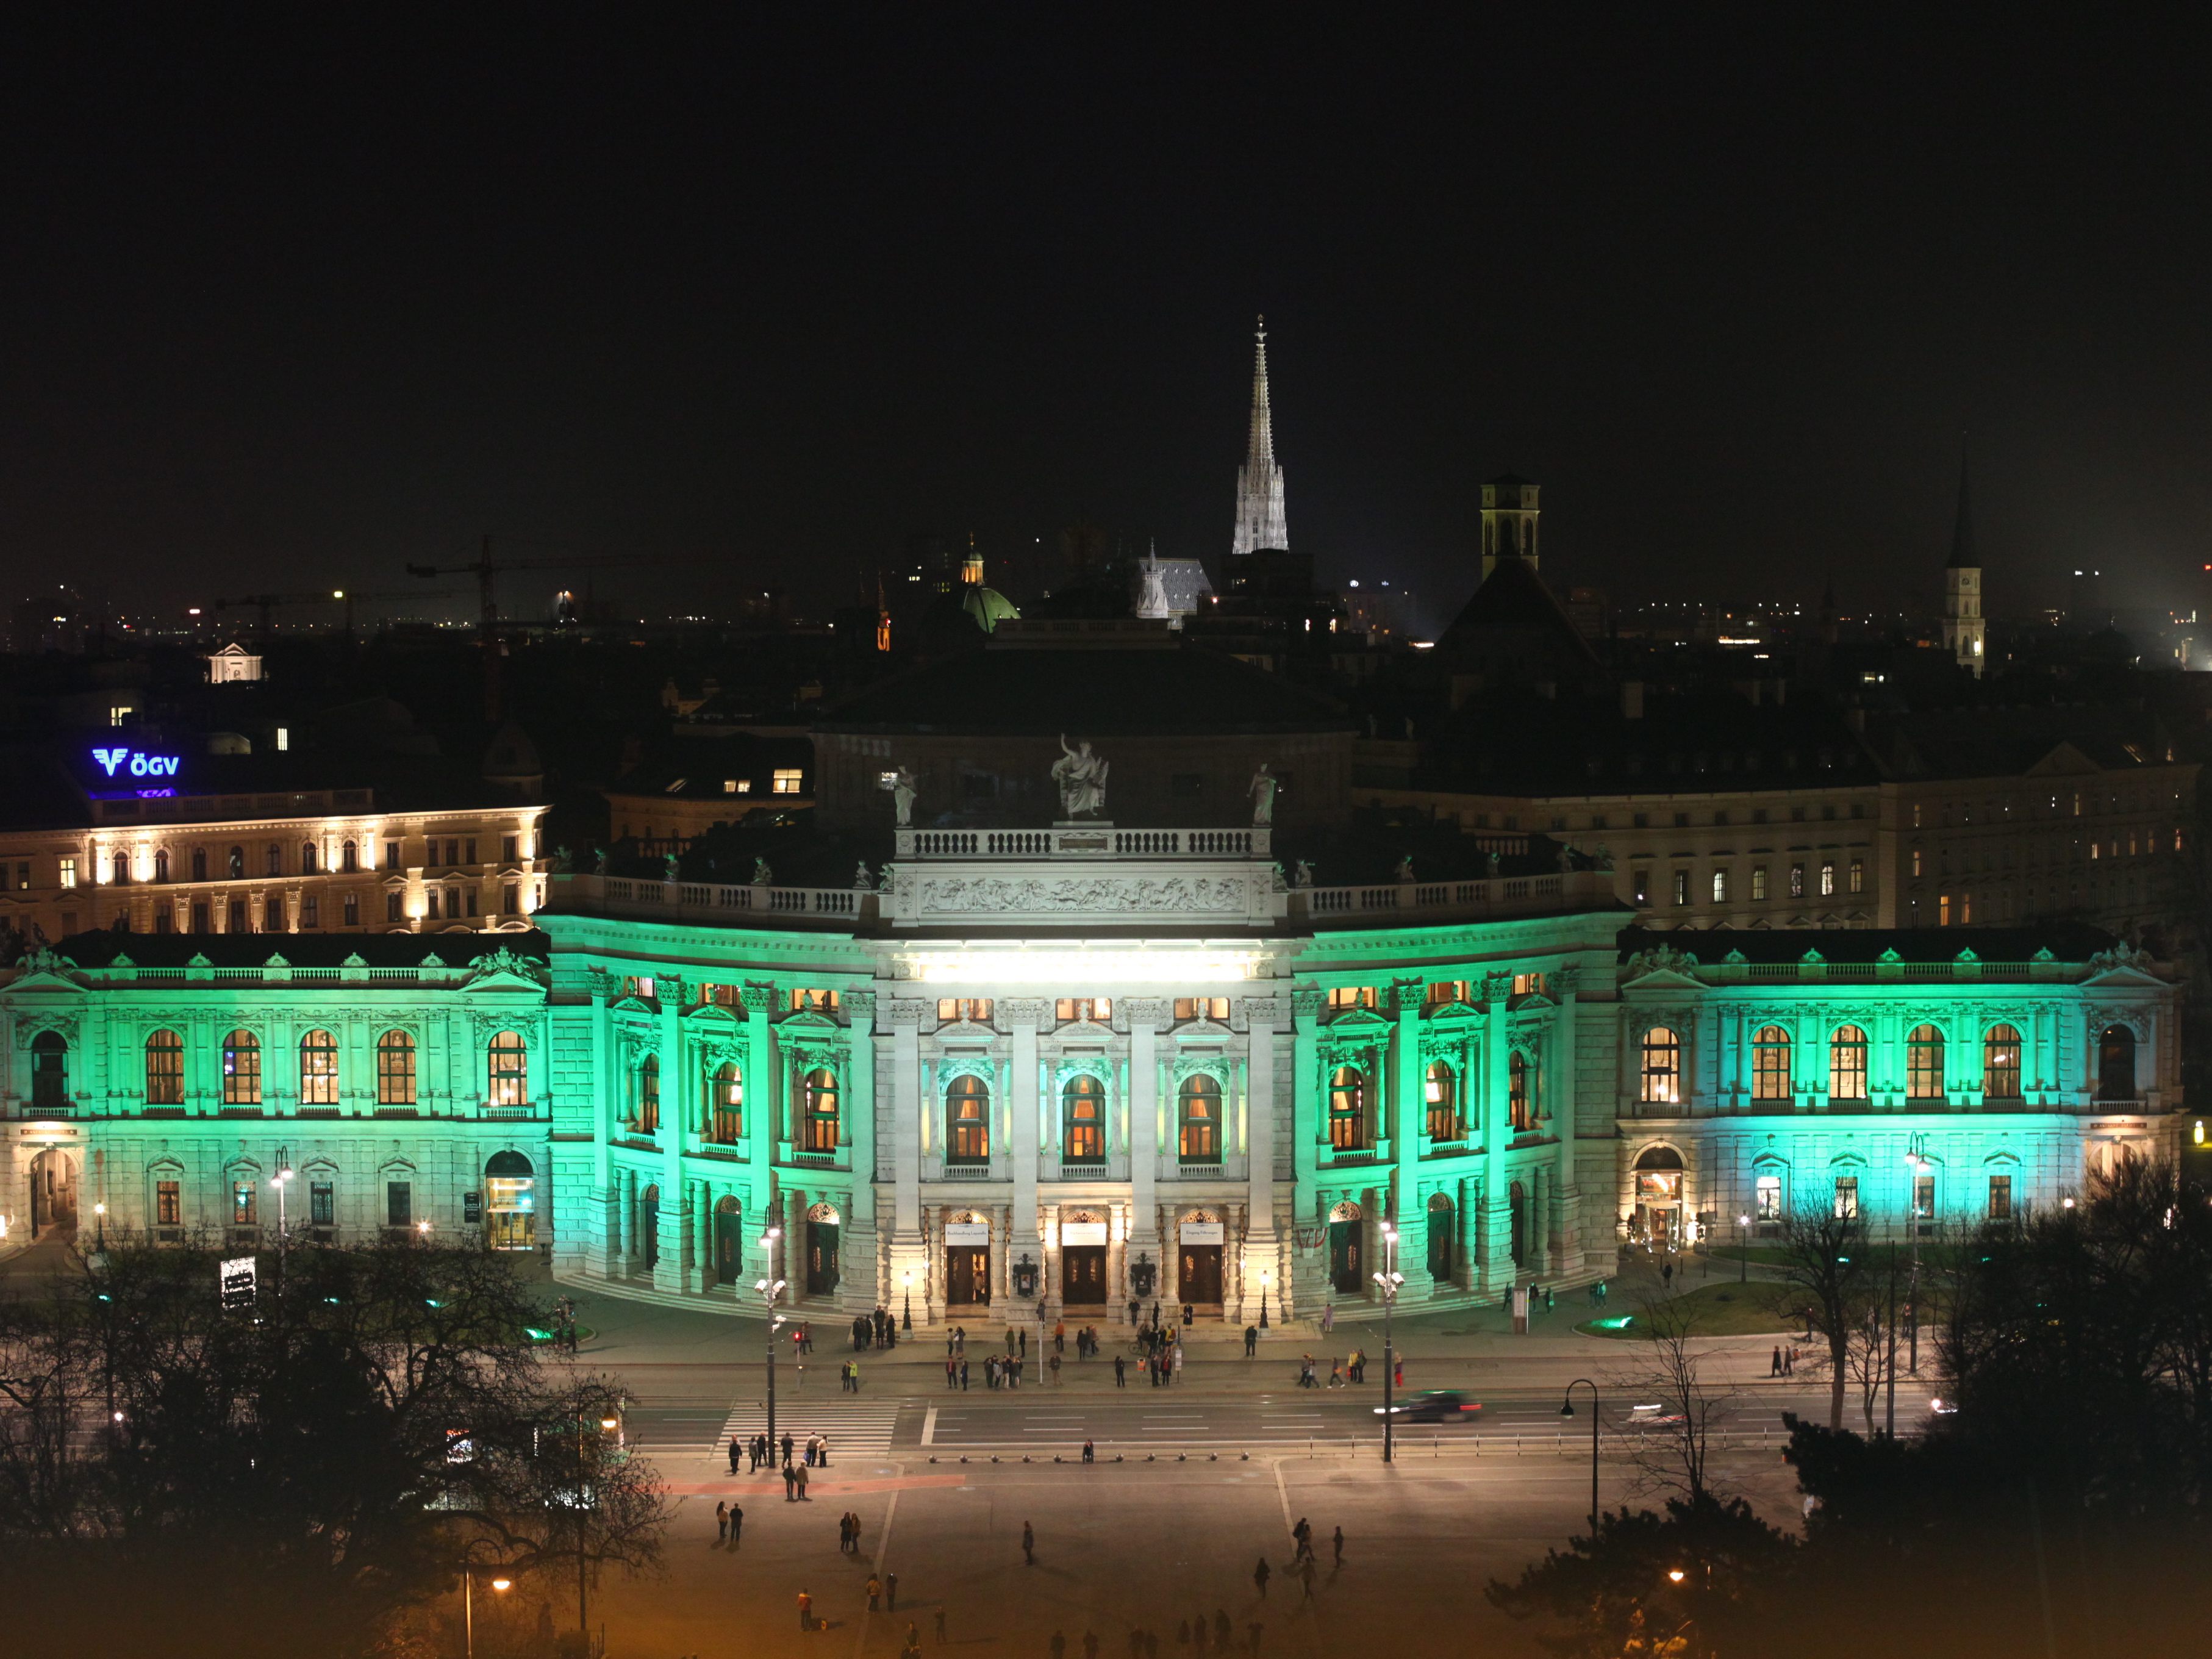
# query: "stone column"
1307,1127
669,1272
1144,1016
1409,1141
1022,1016
1497,1136
908,1250
861,1240
606,1198
760,1126
1565,1244
1263,1249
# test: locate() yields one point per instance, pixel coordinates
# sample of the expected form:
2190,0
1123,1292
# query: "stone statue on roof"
1262,791
1081,776
762,876
902,796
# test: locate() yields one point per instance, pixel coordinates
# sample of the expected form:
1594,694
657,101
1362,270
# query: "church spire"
1962,532
1260,520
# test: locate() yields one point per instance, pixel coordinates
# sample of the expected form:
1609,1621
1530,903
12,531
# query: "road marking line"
929,1427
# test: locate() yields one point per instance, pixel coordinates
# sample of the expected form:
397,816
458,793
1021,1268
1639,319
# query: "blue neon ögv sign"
136,763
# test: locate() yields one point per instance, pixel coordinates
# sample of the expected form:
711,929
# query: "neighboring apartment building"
157,839
701,783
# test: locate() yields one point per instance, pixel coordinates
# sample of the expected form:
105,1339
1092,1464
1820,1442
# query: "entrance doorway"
510,1202
53,1192
1200,1280
1344,1267
822,1250
1659,1196
1518,1201
968,1275
648,1226
729,1242
1082,1275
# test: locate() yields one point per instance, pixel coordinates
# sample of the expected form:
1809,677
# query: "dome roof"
988,607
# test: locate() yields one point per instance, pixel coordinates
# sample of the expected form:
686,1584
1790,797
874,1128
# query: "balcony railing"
1086,841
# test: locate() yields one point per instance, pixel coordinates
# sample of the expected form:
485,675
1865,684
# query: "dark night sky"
288,300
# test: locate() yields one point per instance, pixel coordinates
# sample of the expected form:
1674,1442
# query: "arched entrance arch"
1345,1224
1516,1202
1083,1258
1659,1182
510,1202
1200,1238
967,1261
729,1240
1443,1238
648,1226
822,1223
53,1193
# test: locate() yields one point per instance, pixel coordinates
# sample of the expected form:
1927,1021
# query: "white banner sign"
967,1232
1203,1232
1083,1232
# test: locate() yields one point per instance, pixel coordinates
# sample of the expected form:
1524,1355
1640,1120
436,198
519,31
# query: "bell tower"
1509,521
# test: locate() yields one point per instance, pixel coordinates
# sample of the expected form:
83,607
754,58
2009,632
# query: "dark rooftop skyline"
293,300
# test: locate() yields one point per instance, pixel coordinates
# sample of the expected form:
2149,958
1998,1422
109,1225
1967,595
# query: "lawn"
1724,1310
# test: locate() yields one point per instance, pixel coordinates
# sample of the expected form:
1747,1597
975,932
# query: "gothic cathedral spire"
1259,480
1964,628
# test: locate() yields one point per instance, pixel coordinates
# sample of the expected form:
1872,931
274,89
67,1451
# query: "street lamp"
500,1584
1389,1279
1917,1160
1743,1250
906,1319
1567,1409
100,1227
771,1290
1265,1275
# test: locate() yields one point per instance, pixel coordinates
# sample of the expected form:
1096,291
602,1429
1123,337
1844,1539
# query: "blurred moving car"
1436,1405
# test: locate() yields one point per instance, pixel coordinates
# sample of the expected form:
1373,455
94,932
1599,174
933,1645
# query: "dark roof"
694,768
1037,690
1514,622
2068,941
1977,742
101,948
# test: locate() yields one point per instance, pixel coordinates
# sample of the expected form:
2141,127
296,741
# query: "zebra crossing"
857,1426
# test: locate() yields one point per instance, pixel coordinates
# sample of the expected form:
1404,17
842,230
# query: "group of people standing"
814,1454
878,1329
1339,1370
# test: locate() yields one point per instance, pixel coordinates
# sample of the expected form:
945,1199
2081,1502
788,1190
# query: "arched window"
275,860
1847,1064
1443,1236
49,1071
967,1120
510,1070
725,1105
645,1115
1083,1121
1348,1109
2115,1064
119,869
199,864
1770,1064
395,1069
319,1069
2001,1063
241,1069
1521,1092
1923,1063
818,1104
350,858
161,864
1440,1090
1662,1068
165,1069
1197,1114
237,863
309,860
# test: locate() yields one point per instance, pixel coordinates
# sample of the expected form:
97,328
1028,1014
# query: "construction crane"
347,596
486,570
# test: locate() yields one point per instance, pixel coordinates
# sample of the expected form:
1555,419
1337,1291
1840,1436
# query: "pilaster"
760,1118
1144,1017
1497,1251
1262,1246
1023,1016
1566,1244
671,1271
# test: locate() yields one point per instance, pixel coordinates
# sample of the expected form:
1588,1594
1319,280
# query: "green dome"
988,607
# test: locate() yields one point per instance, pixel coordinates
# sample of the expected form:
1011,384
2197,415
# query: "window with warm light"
952,1010
1198,1114
1440,1093
1213,1008
319,1069
1847,1064
786,780
165,1069
818,1119
509,1068
395,1069
967,1120
1662,1068
725,1101
1099,1009
1521,1092
1770,1064
1923,1063
1352,996
1348,1109
241,1069
2001,1063
1083,1113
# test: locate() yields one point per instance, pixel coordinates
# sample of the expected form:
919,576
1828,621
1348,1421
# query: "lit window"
1083,1120
68,872
1352,996
1720,887
729,786
818,1120
2000,1207
1521,1092
1440,1090
1347,1110
319,1069
645,1110
1847,1198
1770,1064
1097,1009
1847,1064
1766,1192
1662,1068
165,1069
1681,887
395,1069
1197,1109
814,1001
1796,881
1757,882
1923,1063
978,1009
726,1101
1827,880
1858,876
2001,1063
785,781
241,1069
967,1120
1215,1008
510,1070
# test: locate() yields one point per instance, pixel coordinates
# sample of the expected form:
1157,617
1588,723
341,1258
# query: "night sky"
288,300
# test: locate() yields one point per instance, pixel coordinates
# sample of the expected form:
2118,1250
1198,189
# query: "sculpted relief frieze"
1083,894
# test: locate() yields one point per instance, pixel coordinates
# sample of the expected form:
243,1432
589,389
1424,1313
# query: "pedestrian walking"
1398,1373
890,1585
1339,1542
1328,1318
875,1594
1056,1370
721,1523
733,1439
1667,1273
737,1524
1029,1544
805,1611
1303,1534
790,1483
941,1627
963,1377
812,1445
913,1639
787,1443
802,1483
1774,1365
1251,1341
856,1376
1121,1372
1260,1575
823,1449
1789,1361
1336,1373
952,1368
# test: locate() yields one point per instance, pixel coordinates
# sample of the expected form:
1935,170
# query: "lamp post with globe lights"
906,1318
500,1584
1266,1276
1567,1409
1388,1281
1743,1250
771,1290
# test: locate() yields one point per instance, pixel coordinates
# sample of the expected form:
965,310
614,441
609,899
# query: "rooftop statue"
1262,790
902,793
1081,776
762,876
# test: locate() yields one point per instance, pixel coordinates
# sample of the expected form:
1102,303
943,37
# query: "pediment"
1346,1020
711,1013
1451,1014
2064,760
805,1020
1083,1030
1201,1030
